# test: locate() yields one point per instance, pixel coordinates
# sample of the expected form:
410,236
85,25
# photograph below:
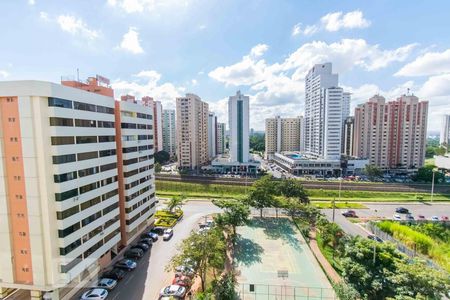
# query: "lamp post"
432,184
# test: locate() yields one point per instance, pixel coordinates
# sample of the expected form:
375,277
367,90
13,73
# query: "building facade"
169,132
157,108
282,134
348,136
238,122
445,132
393,134
135,149
60,188
324,102
221,138
212,135
192,132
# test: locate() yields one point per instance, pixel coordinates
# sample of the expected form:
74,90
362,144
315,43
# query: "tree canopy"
161,157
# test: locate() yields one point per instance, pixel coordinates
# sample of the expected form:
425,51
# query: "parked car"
143,246
182,281
374,238
95,294
107,283
409,217
185,270
126,264
147,241
349,214
397,217
116,274
152,235
173,290
402,210
133,253
444,218
421,217
168,233
434,218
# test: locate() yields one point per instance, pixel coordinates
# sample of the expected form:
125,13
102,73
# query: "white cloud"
74,26
130,42
333,22
338,20
202,27
258,50
31,2
194,82
308,30
436,86
431,63
148,84
44,16
4,74
140,6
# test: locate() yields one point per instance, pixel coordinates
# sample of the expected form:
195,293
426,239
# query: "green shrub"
165,222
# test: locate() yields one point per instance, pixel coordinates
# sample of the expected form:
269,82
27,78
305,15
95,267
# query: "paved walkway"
326,266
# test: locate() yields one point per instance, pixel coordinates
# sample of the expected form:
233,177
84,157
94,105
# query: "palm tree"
175,202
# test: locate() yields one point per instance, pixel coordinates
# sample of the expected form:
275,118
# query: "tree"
157,167
204,250
161,157
235,213
345,291
224,289
292,188
175,201
425,174
257,142
372,172
332,234
262,193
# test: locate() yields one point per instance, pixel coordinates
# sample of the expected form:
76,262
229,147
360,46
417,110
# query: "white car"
185,270
95,294
107,283
173,290
434,218
397,217
168,233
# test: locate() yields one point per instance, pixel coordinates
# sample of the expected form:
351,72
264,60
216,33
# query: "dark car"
126,264
150,235
147,241
116,274
374,238
402,210
349,214
134,253
143,246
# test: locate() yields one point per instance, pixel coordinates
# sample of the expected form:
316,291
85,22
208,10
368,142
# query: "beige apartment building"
192,132
283,134
61,212
391,134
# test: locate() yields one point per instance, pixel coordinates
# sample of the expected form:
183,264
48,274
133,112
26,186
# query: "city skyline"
268,63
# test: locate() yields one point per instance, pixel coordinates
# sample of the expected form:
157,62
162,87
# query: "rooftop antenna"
407,93
78,75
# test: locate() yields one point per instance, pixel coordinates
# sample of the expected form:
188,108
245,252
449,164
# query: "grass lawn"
208,191
429,161
338,205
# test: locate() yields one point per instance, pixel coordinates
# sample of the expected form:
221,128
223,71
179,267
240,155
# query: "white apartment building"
324,102
221,138
168,132
238,122
392,135
134,126
346,98
282,134
212,135
59,199
192,132
445,132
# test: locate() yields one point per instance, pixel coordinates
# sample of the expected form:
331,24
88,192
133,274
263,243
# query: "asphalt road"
150,276
385,210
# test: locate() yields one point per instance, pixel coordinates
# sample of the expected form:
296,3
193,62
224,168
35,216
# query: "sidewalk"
326,266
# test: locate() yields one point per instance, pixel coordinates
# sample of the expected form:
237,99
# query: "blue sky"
165,48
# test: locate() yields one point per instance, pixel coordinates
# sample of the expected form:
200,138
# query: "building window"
65,177
105,124
105,110
88,171
109,152
87,155
108,167
57,102
86,139
62,140
66,195
62,159
106,138
60,121
83,106
85,123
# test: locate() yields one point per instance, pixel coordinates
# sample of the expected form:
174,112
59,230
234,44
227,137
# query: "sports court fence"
283,292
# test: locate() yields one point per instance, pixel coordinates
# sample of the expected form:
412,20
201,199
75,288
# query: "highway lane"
385,210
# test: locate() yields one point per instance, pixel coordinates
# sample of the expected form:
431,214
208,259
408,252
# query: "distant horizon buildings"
348,136
192,132
444,139
221,139
157,108
391,134
282,134
325,105
238,122
169,131
212,135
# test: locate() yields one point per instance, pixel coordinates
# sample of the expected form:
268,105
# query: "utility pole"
432,185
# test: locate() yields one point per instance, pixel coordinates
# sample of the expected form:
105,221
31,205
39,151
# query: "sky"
166,48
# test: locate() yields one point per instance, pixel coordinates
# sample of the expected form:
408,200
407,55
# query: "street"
150,276
385,210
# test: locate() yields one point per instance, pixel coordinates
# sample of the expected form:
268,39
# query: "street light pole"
432,186
334,208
